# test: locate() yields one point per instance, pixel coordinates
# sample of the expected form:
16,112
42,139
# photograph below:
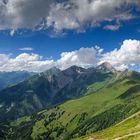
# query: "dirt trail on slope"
128,135
121,137
125,136
132,116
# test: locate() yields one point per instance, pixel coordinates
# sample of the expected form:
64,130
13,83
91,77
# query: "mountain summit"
52,71
106,67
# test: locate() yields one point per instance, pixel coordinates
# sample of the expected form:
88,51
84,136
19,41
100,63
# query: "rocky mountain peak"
74,69
52,71
106,67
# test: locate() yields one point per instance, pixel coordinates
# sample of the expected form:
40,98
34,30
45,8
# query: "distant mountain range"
10,78
70,104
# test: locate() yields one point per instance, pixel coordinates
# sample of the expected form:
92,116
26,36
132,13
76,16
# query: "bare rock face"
106,67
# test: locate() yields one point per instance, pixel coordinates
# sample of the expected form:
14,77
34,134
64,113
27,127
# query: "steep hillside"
128,129
98,110
47,89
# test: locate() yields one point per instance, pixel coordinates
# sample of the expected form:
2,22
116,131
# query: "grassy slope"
66,119
129,129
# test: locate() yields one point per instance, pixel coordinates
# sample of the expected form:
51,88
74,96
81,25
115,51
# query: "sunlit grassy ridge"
129,129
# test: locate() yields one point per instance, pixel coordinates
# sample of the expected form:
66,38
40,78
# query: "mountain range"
75,103
10,78
47,89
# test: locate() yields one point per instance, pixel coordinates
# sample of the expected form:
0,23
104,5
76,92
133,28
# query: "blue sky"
105,25
47,46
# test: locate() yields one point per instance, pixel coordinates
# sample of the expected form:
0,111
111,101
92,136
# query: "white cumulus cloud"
24,61
127,55
84,57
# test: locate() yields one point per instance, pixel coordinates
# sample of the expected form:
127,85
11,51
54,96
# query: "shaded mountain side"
4,131
94,112
46,89
131,92
10,78
78,87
